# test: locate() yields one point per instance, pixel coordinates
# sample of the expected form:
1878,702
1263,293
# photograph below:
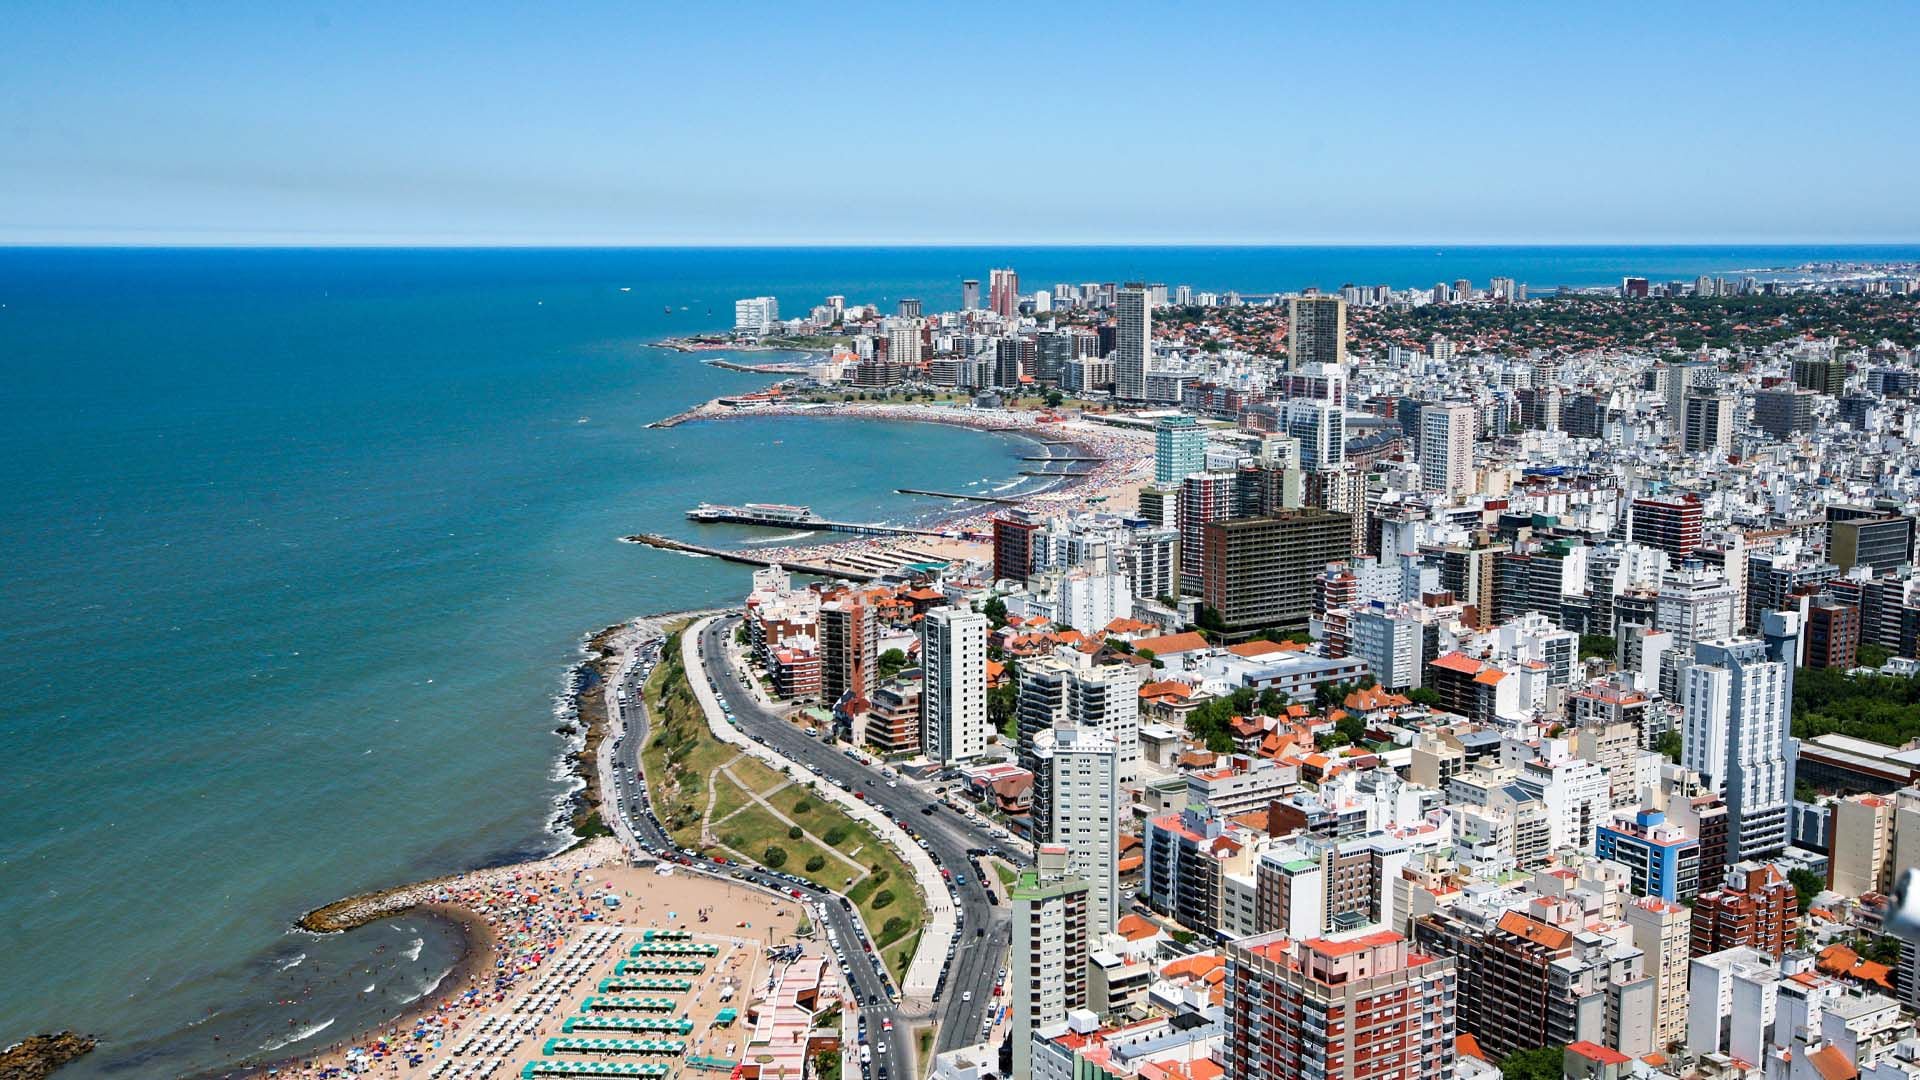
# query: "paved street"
966,995
638,821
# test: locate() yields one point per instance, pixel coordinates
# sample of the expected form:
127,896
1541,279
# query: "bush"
795,832
882,898
774,857
835,835
816,864
895,927
803,807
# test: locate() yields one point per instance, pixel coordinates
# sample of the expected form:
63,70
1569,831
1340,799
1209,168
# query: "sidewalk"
923,974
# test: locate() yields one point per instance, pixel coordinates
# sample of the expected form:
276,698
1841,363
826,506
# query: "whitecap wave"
369,988
781,539
303,1033
428,988
413,949
294,963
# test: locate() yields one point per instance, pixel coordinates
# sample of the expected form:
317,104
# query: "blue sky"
965,123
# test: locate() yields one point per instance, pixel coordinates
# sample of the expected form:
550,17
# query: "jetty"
1049,472
668,543
957,495
1068,460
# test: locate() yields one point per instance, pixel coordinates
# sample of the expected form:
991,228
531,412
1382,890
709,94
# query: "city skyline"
662,128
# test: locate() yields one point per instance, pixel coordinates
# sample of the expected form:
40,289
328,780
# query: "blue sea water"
296,547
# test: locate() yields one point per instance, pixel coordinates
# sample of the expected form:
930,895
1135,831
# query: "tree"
1424,695
1598,646
803,807
816,864
774,857
891,662
794,832
1054,398
1540,1063
1117,645
1808,884
883,898
1804,791
835,835
1668,743
1003,703
1871,655
995,609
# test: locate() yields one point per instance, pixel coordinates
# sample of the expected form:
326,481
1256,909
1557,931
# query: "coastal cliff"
38,1056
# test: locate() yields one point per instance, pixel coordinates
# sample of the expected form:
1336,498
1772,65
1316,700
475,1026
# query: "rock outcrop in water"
39,1055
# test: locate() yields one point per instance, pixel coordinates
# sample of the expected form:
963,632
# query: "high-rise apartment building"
1102,699
1661,931
1260,571
1783,413
1321,429
1316,331
970,294
755,315
1355,1007
1881,539
849,648
1675,526
1052,936
1076,789
1003,293
1738,700
953,704
1179,449
1756,907
1014,545
1446,448
1708,425
1133,343
1204,498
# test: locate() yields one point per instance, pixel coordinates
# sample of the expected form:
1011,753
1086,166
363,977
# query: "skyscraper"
970,294
1179,449
1003,292
1316,331
1102,699
1738,697
1446,448
1661,932
1051,942
1339,1008
953,705
1133,324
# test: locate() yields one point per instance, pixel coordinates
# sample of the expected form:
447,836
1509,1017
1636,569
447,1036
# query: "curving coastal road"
632,818
966,994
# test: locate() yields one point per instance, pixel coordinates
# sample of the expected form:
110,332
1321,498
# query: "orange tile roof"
1534,930
1490,676
1251,649
1460,662
1172,643
1468,1046
1134,928
1597,1053
1844,962
1167,688
1832,1064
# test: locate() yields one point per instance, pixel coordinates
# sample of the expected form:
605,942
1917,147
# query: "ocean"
298,546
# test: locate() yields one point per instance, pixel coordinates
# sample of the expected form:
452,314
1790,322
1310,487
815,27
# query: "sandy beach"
1111,484
543,936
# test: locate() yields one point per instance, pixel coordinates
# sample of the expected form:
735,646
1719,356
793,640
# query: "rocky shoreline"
38,1056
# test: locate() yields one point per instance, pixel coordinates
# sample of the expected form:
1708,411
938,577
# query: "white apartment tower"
1082,800
1133,325
755,315
1446,448
1738,699
953,705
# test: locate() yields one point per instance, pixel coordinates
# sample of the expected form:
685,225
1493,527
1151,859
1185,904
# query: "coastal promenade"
923,974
